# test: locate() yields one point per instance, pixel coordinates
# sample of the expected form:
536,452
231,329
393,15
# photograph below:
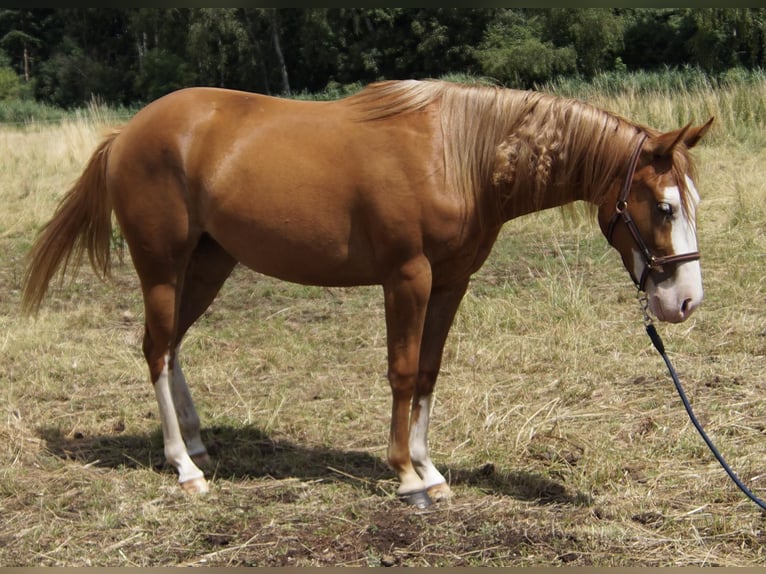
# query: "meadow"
555,421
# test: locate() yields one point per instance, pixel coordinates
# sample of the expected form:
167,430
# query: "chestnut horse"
405,184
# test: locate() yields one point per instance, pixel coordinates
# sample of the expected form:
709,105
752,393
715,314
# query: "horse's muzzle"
673,305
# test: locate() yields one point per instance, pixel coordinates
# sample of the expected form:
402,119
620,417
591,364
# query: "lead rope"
657,342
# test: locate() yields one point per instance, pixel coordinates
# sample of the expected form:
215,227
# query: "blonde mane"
511,143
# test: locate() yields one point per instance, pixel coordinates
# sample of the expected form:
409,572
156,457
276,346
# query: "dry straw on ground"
554,421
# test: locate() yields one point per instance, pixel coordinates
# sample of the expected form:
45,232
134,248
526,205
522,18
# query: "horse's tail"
82,221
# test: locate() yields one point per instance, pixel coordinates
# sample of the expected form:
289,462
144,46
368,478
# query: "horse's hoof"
201,459
439,492
418,499
195,486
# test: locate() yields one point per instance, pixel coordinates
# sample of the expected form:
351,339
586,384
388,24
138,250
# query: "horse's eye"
665,209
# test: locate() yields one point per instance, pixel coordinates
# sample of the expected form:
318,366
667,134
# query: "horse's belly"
299,249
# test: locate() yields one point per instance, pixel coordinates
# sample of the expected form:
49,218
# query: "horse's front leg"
442,306
406,295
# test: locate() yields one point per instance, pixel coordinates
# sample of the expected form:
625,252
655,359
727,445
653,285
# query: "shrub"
10,86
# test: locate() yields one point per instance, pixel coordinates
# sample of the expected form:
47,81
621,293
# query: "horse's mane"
517,141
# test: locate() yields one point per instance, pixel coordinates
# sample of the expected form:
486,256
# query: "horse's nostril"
686,307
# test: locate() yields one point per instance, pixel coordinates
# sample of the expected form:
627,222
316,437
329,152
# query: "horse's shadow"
250,452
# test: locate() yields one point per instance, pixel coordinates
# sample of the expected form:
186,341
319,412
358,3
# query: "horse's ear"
664,144
694,135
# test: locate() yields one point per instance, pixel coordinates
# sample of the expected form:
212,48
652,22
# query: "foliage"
66,56
10,86
726,37
162,73
514,52
595,35
26,111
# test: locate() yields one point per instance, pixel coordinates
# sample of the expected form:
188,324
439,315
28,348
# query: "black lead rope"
657,342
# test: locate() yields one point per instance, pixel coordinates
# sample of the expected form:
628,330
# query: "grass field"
555,422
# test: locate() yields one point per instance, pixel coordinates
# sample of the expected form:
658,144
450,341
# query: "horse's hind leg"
186,414
160,311
176,292
208,269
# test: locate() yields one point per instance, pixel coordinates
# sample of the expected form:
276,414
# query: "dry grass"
561,434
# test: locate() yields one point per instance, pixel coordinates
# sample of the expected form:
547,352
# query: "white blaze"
674,298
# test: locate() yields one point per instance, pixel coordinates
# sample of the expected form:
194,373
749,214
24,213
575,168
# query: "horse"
405,184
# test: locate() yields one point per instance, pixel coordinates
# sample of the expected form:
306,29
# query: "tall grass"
24,112
40,158
662,99
672,98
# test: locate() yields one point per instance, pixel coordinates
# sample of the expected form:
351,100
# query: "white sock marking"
185,411
175,449
419,446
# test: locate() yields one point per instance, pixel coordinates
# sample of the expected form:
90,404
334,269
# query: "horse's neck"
530,189
518,205
529,177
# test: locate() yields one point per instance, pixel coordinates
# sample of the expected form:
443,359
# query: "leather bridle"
651,262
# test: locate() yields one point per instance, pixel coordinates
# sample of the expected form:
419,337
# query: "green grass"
26,112
554,420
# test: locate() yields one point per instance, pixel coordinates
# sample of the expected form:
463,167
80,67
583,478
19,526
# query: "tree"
654,38
595,35
363,38
723,38
514,52
217,42
20,36
161,73
10,86
93,58
160,48
276,35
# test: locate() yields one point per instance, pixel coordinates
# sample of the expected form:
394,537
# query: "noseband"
621,213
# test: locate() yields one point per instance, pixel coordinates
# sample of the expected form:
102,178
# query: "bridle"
651,262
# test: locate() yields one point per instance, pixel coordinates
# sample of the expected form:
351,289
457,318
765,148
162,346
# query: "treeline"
66,56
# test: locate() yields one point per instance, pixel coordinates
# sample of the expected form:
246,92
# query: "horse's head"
651,220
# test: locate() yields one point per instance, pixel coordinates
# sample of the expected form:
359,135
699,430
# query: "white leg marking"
175,449
185,411
419,446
